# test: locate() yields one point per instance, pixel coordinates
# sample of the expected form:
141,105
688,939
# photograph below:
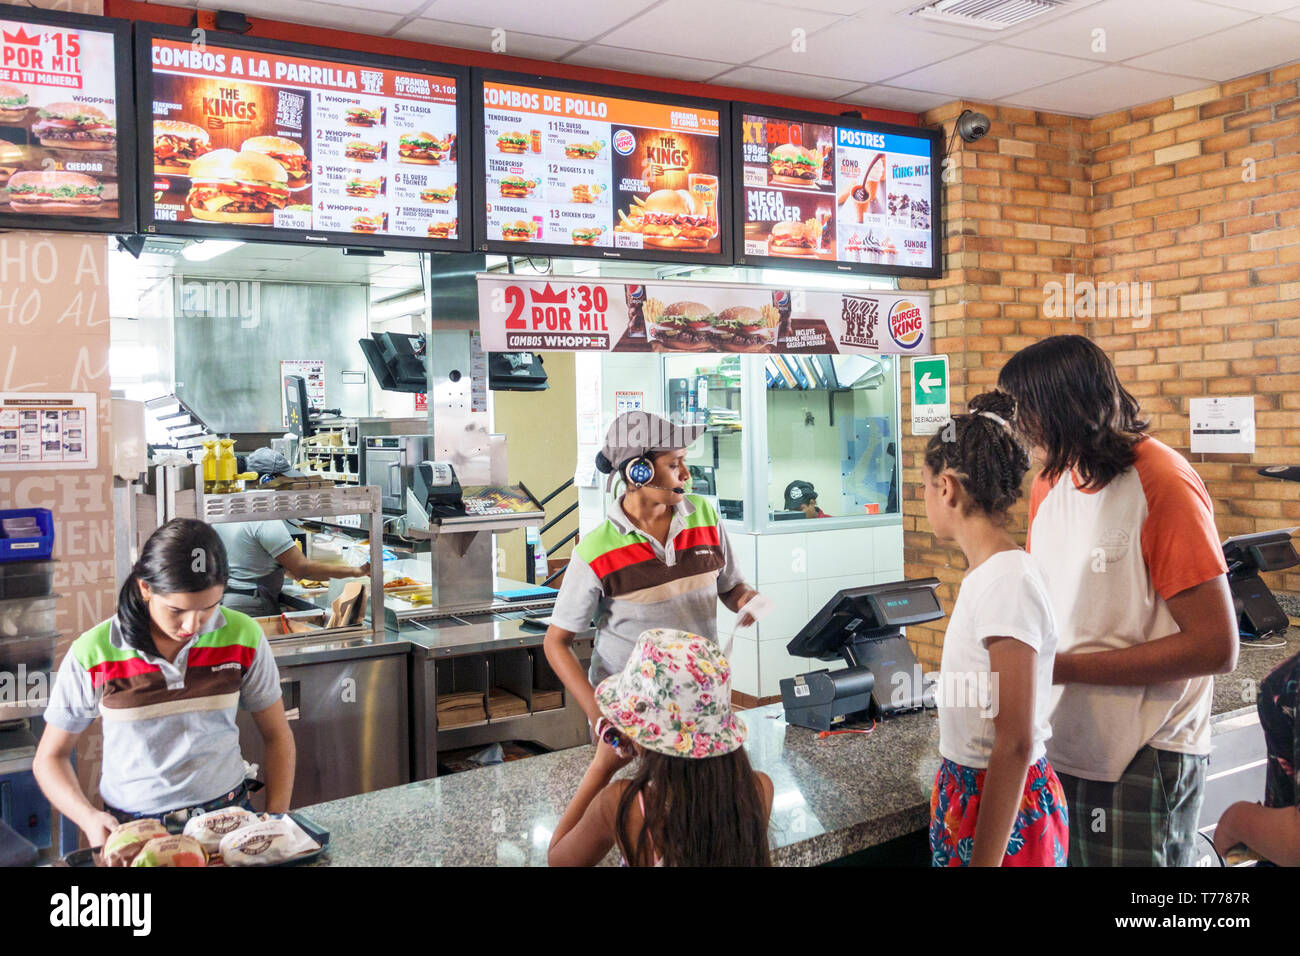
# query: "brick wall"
1199,195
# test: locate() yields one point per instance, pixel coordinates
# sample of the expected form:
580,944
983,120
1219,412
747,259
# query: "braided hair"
983,452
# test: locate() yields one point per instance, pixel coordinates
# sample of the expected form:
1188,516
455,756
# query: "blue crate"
29,549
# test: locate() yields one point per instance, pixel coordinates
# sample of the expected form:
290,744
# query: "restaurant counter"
833,798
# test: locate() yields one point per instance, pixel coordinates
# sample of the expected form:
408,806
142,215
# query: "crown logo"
549,296
22,37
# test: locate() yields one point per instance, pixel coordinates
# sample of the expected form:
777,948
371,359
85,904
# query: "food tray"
24,617
89,856
26,579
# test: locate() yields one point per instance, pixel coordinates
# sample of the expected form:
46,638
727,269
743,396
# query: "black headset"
637,472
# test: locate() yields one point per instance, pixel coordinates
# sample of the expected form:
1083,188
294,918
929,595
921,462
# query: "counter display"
844,195
570,168
299,143
65,122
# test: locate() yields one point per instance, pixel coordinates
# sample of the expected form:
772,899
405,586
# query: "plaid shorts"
1146,818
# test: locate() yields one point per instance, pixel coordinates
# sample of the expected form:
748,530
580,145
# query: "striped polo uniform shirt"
170,737
625,582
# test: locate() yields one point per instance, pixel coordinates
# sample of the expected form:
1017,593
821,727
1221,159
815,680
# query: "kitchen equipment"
1258,612
390,463
26,534
864,626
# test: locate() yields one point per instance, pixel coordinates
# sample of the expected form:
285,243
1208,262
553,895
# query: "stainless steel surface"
232,335
389,461
350,729
452,291
376,427
497,524
460,434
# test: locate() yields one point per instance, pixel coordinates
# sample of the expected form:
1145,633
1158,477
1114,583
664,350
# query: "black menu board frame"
740,110
125,116
498,246
202,229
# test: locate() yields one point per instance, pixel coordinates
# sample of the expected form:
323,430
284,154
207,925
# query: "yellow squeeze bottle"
227,467
210,466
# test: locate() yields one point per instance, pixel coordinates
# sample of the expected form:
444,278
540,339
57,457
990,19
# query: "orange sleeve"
1036,495
1180,543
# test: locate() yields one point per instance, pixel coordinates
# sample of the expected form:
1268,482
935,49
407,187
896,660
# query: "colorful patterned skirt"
1039,837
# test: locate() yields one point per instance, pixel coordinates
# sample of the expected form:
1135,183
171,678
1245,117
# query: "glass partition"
706,389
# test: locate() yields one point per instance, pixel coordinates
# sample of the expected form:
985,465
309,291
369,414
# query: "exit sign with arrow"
930,394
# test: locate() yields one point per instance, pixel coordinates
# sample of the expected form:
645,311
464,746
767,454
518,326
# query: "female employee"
168,674
660,560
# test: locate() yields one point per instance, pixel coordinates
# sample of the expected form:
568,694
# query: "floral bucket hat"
674,696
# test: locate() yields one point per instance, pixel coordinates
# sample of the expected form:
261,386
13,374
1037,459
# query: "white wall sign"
628,402
1223,426
45,431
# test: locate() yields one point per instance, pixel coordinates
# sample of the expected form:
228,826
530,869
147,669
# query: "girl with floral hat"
996,800
693,798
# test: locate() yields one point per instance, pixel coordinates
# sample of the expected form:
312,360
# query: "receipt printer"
864,627
437,489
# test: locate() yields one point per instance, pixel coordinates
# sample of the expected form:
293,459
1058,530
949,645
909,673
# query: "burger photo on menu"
363,152
584,150
13,104
516,187
54,191
176,144
370,224
514,141
438,194
681,326
363,188
743,328
518,231
794,238
422,147
74,126
669,219
360,116
793,165
286,152
586,235
446,229
244,187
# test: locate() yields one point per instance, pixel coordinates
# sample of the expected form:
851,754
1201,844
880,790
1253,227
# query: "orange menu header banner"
603,109
207,61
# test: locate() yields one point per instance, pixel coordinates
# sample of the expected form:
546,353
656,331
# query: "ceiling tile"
1131,29
1250,48
1293,14
902,11
891,98
1106,90
734,30
838,51
992,72
480,38
791,84
313,14
840,7
1256,6
572,19
639,61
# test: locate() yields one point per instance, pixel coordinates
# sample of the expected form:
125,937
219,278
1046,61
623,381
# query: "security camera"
972,126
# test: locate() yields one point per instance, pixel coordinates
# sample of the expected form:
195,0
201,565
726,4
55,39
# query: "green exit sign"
930,393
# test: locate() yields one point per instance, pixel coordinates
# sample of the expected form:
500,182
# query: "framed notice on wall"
47,431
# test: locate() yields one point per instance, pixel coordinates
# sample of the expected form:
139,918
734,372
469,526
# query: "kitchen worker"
661,558
260,552
802,496
1123,530
168,674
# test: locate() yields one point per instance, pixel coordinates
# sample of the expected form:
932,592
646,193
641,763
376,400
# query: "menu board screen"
287,143
64,84
600,171
860,198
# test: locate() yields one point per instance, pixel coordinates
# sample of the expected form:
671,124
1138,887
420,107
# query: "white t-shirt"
1003,597
1110,559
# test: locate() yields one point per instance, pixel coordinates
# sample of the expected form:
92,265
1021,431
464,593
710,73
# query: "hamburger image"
13,104
445,229
586,235
518,231
75,126
683,326
745,329
286,152
794,238
669,219
583,150
369,224
516,187
436,194
177,144
363,152
47,190
512,142
364,188
794,165
244,187
360,116
423,148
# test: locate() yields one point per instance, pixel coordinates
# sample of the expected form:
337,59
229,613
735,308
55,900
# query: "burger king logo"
906,324
624,142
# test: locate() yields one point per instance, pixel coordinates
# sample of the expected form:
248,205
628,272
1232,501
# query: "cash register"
1258,612
864,627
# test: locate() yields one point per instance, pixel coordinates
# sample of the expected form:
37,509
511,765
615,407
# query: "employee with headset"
661,558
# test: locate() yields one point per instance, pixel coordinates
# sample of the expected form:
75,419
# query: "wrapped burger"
127,839
178,850
209,828
266,843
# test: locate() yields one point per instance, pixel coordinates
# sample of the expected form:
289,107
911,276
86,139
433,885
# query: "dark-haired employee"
168,674
802,496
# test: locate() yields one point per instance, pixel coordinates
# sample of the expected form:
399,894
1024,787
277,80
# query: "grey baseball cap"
268,461
634,434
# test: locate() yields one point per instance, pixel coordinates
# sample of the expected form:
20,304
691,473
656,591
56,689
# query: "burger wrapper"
210,828
266,843
177,850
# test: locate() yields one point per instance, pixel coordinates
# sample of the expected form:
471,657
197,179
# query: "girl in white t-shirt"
996,800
